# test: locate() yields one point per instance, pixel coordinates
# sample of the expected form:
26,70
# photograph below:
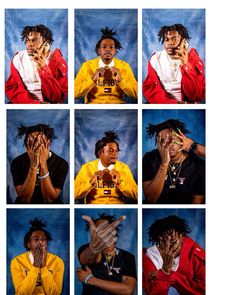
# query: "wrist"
166,270
87,278
193,147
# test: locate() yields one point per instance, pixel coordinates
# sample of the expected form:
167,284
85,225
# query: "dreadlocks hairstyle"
110,136
108,34
176,27
45,129
36,224
172,124
45,32
104,216
161,226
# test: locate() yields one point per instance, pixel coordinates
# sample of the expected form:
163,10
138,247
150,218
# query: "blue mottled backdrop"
89,22
194,121
16,19
57,224
90,126
154,19
127,236
57,119
195,218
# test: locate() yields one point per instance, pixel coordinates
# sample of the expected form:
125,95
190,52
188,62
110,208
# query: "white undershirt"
169,73
154,254
28,71
102,65
101,167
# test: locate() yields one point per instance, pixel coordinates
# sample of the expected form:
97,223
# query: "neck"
177,158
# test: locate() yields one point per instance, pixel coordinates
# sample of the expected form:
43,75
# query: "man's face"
37,238
33,41
109,153
37,135
172,139
107,50
171,41
174,238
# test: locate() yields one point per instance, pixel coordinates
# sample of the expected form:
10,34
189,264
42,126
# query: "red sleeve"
15,89
193,79
155,282
153,90
54,82
196,284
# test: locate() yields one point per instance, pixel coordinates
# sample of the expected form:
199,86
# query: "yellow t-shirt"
105,191
106,90
30,280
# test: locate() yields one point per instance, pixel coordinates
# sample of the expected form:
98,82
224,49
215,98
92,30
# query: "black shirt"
124,265
190,181
57,168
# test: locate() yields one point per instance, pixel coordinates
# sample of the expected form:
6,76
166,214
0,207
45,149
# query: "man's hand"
115,176
170,246
116,74
33,146
181,53
103,235
44,150
82,274
40,255
163,148
184,141
98,175
40,55
99,73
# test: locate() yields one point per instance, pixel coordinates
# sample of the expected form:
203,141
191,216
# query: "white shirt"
169,73
101,167
102,65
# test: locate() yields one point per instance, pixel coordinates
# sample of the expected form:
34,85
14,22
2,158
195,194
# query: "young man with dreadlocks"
38,174
106,79
106,180
174,260
173,173
37,271
175,75
106,269
37,74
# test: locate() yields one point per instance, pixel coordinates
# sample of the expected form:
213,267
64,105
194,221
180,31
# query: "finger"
87,268
114,224
92,226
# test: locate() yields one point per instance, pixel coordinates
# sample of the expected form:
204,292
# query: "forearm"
53,88
88,257
83,83
52,282
198,199
153,189
26,190
200,150
129,189
119,288
49,192
24,284
129,85
82,185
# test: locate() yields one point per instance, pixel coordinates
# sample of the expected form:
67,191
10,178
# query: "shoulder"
121,165
194,158
19,258
91,164
152,155
54,258
125,254
121,63
91,62
59,159
19,159
193,248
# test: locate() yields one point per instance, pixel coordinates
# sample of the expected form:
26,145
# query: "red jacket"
192,83
53,78
189,279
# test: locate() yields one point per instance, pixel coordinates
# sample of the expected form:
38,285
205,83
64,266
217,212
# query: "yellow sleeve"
128,83
83,81
52,280
23,284
82,184
128,186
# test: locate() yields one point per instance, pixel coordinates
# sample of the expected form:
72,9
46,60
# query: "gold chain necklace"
108,259
175,170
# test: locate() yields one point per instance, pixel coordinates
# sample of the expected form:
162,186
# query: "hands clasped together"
106,175
38,150
40,255
101,72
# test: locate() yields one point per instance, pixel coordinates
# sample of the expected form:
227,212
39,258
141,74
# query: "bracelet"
44,176
87,278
